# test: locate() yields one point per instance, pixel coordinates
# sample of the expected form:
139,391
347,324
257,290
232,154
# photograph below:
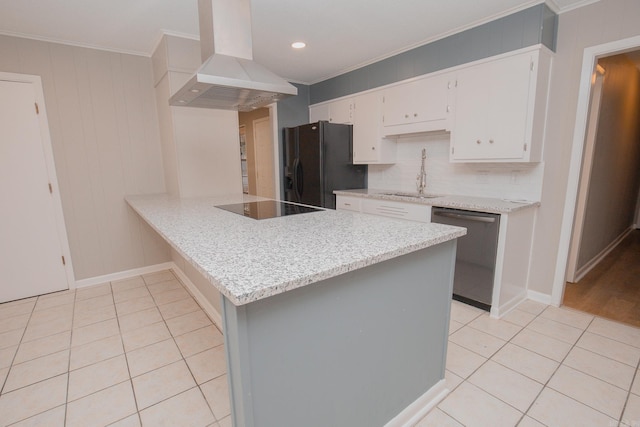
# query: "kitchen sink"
414,195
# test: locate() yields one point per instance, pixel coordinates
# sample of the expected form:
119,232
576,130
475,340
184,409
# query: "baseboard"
539,297
213,314
582,271
420,407
97,280
193,290
508,306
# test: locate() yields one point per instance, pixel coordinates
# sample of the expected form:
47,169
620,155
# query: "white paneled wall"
509,181
104,131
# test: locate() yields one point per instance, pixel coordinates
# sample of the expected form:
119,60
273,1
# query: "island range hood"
228,78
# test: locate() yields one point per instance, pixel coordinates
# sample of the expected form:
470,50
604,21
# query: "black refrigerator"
318,160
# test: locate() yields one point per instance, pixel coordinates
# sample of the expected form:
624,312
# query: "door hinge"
531,67
452,150
525,147
37,108
63,261
50,188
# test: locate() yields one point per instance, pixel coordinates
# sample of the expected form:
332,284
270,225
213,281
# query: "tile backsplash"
499,180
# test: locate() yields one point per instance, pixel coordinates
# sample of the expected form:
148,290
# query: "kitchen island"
330,318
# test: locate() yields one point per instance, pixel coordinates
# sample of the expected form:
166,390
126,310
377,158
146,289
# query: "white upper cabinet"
318,112
500,109
340,111
369,145
422,105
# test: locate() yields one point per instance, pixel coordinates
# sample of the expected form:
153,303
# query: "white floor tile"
6,356
509,386
125,284
162,383
188,322
568,316
134,305
188,409
34,399
617,331
437,418
52,314
134,293
90,304
102,408
454,326
472,406
96,377
503,330
152,357
51,418
532,307
216,392
141,337
199,340
526,362
130,421
95,332
612,349
556,330
477,341
519,317
635,388
15,308
55,299
160,276
178,308
88,317
208,365
591,391
461,361
225,422
542,344
452,380
93,291
555,409
173,295
464,313
96,351
11,338
14,322
631,414
527,421
138,319
36,370
41,347
611,371
160,287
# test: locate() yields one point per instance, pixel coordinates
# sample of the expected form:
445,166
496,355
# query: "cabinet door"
510,100
318,112
492,110
341,111
398,103
366,127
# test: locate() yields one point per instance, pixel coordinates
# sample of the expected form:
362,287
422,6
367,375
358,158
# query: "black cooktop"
267,209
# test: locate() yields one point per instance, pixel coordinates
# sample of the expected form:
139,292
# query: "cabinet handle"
478,141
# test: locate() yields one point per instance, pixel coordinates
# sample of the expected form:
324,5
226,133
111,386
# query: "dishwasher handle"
468,217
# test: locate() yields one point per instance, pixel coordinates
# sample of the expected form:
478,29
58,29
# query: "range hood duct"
228,78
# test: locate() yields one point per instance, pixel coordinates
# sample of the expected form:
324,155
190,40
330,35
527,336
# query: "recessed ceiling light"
298,45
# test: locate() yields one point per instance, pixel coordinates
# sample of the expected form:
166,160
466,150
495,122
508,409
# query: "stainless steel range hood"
229,79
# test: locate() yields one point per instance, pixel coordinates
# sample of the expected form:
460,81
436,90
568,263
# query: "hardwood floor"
612,288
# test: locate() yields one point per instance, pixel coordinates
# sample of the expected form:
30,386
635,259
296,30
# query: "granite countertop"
248,260
481,204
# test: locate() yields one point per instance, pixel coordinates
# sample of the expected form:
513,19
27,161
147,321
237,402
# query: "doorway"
602,277
34,251
260,153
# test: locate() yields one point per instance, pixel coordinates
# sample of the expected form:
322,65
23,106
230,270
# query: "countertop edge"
482,204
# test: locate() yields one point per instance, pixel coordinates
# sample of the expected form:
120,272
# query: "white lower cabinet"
393,209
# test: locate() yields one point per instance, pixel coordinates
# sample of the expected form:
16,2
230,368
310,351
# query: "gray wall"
525,28
615,173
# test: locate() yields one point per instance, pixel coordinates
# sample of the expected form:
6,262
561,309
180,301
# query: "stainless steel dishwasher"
475,256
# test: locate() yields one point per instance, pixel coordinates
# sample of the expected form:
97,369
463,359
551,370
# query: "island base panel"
353,350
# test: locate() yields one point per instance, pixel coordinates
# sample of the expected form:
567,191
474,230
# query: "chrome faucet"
421,180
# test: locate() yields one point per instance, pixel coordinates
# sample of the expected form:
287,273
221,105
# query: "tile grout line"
626,402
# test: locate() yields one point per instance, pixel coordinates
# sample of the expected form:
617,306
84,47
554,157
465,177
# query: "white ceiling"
340,34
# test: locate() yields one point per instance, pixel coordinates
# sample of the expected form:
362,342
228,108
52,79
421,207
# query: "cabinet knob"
415,114
491,141
373,148
478,142
406,116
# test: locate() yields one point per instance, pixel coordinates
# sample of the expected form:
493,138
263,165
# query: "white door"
263,148
30,247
